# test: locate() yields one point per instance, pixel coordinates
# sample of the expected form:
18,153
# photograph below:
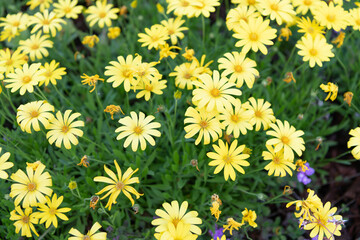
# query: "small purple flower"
109,229
302,176
218,233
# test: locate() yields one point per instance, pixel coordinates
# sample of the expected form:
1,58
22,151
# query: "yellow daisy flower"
308,205
67,8
250,217
49,211
204,7
154,37
25,221
64,130
25,79
315,50
49,22
90,235
354,141
231,224
240,67
118,184
279,165
36,46
205,123
165,51
236,119
185,75
52,73
113,32
29,115
43,4
239,13
228,158
303,6
279,10
309,27
102,13
4,164
331,16
122,71
174,29
15,23
214,92
154,86
176,215
254,34
12,59
287,138
181,7
261,113
138,129
31,187
354,18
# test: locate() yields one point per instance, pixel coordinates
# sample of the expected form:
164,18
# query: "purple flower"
218,233
302,176
315,238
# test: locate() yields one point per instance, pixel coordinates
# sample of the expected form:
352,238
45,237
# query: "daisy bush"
179,119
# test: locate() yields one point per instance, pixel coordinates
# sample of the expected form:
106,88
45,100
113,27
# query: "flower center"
52,211
276,160
102,14
307,2
155,38
238,69
46,22
138,130
285,140
9,62
357,22
234,118
313,52
310,30
126,73
34,114
25,219
48,74
31,186
187,75
330,17
120,185
34,46
253,37
185,3
258,114
204,124
67,9
215,92
175,221
86,237
171,31
148,88
227,159
26,79
274,7
16,23
251,2
65,129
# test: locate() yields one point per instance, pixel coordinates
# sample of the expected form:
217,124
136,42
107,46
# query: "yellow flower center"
26,79
185,3
238,68
9,62
204,124
227,159
126,73
313,52
25,219
34,114
234,118
311,30
16,23
175,221
31,186
67,9
276,160
148,88
357,22
253,36
258,114
102,14
285,140
330,17
274,7
187,75
65,129
120,185
52,211
154,38
86,237
138,130
171,31
46,22
307,2
215,92
34,46
251,2
48,74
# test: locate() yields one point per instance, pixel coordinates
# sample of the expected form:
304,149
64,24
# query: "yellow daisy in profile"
42,4
49,211
279,165
332,90
64,130
25,79
102,14
154,37
315,50
90,235
67,8
214,92
240,67
303,6
228,159
138,129
25,221
31,187
205,123
204,7
185,75
239,13
174,29
279,10
48,22
4,164
331,16
12,59
254,34
354,141
118,184
154,86
52,73
287,138
307,26
176,214
122,71
36,46
261,113
236,119
29,115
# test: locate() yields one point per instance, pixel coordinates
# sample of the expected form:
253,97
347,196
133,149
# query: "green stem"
62,95
287,62
41,93
46,232
274,198
343,66
7,96
203,31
